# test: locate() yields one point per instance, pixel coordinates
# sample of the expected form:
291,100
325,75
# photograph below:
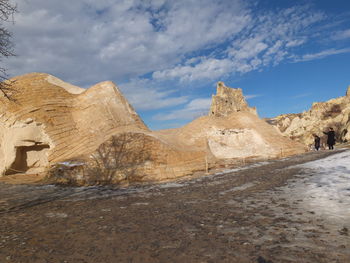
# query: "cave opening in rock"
28,157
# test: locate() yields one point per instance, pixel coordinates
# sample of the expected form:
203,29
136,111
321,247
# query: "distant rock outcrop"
322,115
228,100
53,122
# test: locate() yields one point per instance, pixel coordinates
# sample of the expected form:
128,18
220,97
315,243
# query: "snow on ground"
325,187
238,169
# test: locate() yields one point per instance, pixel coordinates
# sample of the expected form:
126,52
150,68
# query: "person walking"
330,138
317,142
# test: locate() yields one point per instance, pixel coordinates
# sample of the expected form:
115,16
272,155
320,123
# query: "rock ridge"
55,122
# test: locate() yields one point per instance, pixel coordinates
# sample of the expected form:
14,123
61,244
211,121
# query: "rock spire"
228,100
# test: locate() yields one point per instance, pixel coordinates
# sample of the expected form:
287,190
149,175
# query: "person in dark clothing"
317,142
330,138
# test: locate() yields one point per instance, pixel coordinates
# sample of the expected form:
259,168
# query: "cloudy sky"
167,55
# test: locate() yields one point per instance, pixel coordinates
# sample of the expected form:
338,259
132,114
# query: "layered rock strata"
50,121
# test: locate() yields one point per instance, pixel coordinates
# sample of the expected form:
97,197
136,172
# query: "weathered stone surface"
322,115
52,121
47,123
228,100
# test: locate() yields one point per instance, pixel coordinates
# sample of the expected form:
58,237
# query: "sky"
166,56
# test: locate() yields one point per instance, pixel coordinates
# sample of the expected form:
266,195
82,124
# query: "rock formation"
228,100
322,115
52,122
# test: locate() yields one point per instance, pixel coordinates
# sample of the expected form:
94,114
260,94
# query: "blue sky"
166,56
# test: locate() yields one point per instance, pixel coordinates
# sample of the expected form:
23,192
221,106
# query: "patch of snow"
336,162
171,185
227,171
325,189
71,163
56,215
238,188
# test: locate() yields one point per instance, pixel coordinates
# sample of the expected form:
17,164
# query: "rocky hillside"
52,123
322,115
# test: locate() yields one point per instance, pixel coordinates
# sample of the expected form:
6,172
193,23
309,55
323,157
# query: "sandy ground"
266,212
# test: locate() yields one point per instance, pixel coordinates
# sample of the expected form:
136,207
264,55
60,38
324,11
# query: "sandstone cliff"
53,122
322,115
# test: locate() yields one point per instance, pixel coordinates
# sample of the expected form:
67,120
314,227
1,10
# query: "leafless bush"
120,159
7,9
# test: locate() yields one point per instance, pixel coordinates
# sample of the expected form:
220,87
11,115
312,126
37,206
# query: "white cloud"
248,48
267,40
340,35
193,109
199,104
144,96
89,41
206,69
271,37
295,42
251,96
322,54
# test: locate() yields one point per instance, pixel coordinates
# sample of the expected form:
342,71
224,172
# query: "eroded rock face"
322,115
24,147
228,100
53,122
237,143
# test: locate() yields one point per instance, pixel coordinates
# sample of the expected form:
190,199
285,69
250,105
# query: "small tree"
7,10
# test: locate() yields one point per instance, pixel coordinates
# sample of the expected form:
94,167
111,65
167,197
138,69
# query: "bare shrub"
7,10
120,159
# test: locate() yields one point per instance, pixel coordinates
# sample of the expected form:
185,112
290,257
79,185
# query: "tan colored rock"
216,140
228,100
47,123
52,121
322,115
239,135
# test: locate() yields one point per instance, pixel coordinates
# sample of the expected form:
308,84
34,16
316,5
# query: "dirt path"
245,215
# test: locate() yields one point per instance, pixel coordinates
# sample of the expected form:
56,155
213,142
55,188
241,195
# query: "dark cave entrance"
20,164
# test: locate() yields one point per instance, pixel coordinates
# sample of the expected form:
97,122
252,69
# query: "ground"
291,210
